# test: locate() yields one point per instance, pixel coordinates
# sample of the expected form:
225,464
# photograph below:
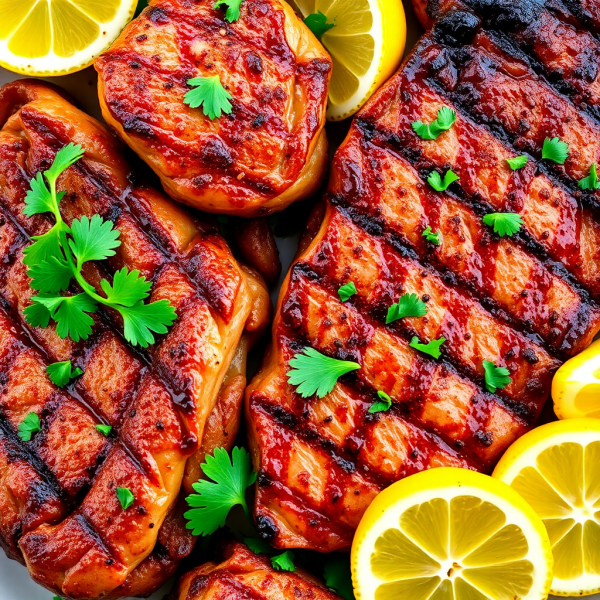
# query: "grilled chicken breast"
270,151
243,574
525,302
59,513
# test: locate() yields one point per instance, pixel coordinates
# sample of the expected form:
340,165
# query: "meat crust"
59,511
271,150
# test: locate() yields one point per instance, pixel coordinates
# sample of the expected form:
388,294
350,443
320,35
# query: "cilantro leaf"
409,305
555,150
315,373
45,246
518,162
233,9
140,320
29,425
61,373
432,348
495,377
214,499
284,562
430,236
435,181
338,576
70,314
64,158
39,199
384,403
37,315
318,24
258,546
127,288
347,291
211,95
126,497
445,119
504,223
104,429
93,239
591,181
52,275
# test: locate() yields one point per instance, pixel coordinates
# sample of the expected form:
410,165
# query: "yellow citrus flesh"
450,534
556,468
366,45
57,37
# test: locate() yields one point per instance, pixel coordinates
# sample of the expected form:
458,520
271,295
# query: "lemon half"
57,37
366,44
556,468
450,534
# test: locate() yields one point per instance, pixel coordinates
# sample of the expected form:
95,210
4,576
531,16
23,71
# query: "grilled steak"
59,512
272,148
525,302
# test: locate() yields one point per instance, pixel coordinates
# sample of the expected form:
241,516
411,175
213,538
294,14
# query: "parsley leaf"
127,288
384,403
591,181
39,199
347,291
518,162
104,429
504,223
445,119
61,373
315,373
555,150
37,315
338,576
93,239
409,305
435,181
284,562
125,496
233,9
52,275
258,546
318,24
45,246
140,320
214,499
430,236
64,158
495,377
432,348
31,424
211,95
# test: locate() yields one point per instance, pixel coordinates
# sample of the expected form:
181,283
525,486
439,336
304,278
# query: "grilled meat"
271,150
526,301
243,574
59,511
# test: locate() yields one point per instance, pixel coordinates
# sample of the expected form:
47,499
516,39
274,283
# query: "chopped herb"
315,373
432,348
495,377
233,9
555,150
215,499
338,576
284,562
430,236
591,181
318,24
518,162
384,403
445,119
347,291
31,424
258,546
126,498
435,181
61,373
211,95
104,429
409,305
504,223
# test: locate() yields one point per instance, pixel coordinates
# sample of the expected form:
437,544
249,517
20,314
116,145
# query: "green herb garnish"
409,305
504,223
430,236
104,429
318,24
432,348
555,150
258,546
284,562
435,181
496,378
591,181
445,119
347,291
233,9
126,498
518,162
338,577
61,373
384,403
211,95
31,424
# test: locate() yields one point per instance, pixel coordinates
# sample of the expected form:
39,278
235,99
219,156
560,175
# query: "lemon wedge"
556,468
57,37
365,39
450,534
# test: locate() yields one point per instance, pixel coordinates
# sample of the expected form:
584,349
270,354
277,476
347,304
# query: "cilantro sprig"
445,119
591,181
384,403
318,24
233,9
408,305
431,236
439,184
517,162
58,256
315,373
496,378
346,291
61,373
432,348
280,562
210,94
29,426
555,150
214,499
504,223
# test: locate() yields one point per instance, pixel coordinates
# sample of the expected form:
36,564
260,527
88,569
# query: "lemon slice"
556,468
576,385
57,37
450,534
366,44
